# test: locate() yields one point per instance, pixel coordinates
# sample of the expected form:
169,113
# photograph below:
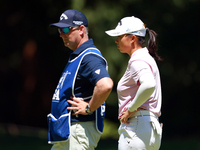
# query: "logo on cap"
63,16
78,22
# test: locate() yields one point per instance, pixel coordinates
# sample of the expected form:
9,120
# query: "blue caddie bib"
59,120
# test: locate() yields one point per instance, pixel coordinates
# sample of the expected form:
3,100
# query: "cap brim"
114,32
61,25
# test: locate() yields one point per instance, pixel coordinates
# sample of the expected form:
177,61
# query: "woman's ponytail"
152,44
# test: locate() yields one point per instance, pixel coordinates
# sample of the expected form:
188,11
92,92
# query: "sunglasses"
65,30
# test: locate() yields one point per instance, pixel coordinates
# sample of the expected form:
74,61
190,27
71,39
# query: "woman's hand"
125,115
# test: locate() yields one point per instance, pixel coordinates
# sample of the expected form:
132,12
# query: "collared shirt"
91,70
128,84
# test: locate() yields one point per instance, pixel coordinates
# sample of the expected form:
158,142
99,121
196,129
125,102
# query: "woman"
139,90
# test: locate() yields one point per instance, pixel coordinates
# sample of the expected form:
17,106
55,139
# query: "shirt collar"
83,46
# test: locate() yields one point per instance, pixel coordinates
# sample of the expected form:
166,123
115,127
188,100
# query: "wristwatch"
87,109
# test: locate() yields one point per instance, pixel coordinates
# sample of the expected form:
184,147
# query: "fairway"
9,142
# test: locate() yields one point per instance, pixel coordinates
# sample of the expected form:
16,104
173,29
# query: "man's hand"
78,105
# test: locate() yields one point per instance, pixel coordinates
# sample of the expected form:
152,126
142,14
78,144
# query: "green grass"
9,142
181,144
13,137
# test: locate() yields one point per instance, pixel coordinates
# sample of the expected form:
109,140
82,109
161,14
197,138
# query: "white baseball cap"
129,25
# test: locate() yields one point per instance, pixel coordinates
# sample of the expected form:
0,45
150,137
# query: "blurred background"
33,56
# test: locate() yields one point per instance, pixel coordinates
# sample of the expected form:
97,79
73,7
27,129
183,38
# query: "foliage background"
32,57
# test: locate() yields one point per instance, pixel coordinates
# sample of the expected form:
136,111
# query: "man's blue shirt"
91,70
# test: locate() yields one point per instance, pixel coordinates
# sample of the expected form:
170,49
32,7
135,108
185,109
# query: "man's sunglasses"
65,30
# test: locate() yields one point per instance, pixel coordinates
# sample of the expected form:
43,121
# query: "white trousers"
83,136
143,133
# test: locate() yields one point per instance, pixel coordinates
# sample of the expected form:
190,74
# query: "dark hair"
152,43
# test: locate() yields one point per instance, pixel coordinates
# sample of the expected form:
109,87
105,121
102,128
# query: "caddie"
78,104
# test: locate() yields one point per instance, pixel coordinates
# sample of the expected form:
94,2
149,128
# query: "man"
78,108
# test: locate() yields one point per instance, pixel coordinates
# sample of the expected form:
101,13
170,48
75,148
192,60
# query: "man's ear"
82,29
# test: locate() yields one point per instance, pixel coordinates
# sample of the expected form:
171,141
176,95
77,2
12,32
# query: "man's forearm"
101,92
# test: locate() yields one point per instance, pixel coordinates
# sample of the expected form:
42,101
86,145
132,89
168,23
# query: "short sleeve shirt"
91,70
